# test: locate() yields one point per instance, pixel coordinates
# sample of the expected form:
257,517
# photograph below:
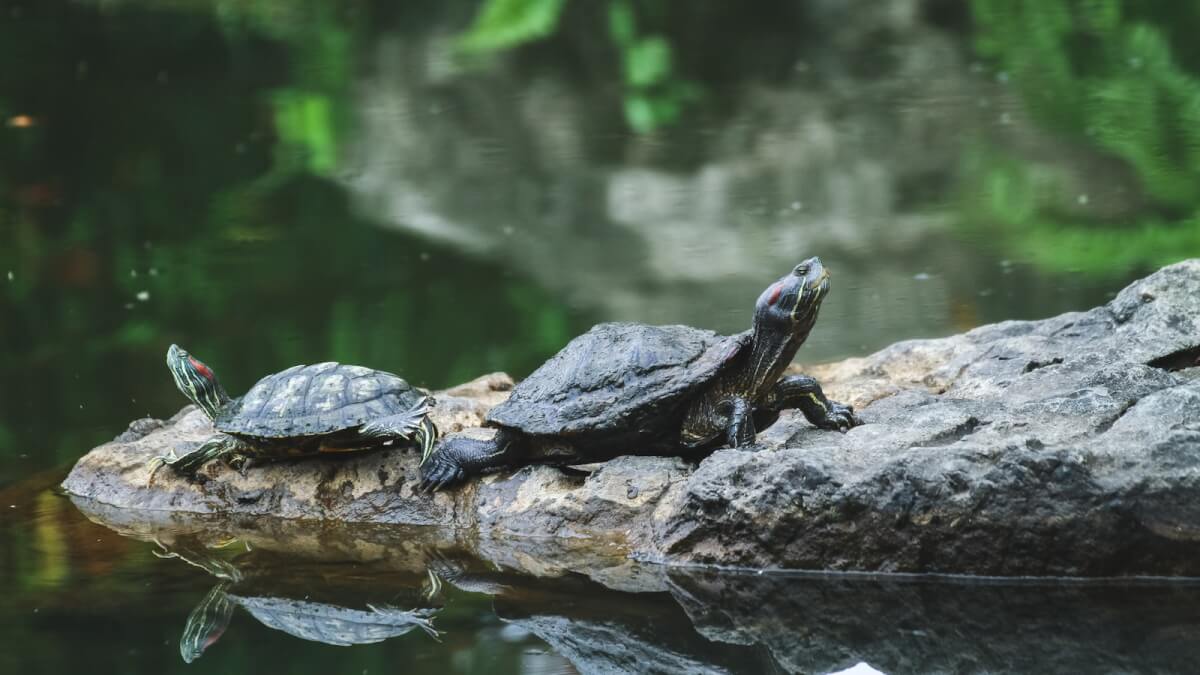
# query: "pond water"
220,597
277,183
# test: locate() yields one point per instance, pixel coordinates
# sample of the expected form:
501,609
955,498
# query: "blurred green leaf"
304,120
501,24
639,113
647,62
622,24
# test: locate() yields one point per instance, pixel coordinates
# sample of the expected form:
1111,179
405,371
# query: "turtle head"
197,381
790,304
206,623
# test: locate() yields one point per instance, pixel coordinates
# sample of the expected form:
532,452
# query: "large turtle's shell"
617,376
314,400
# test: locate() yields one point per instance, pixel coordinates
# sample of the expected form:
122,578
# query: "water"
273,184
190,595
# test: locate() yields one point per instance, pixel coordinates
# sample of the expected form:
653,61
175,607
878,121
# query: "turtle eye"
801,270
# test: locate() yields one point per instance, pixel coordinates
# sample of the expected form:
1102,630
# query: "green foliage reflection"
1117,76
654,94
196,208
502,24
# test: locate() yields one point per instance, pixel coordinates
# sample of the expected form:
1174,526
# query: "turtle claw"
841,417
239,463
438,472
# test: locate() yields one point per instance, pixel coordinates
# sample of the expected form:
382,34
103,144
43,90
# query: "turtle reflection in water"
304,410
313,621
669,390
327,623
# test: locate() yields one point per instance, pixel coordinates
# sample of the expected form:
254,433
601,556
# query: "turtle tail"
426,436
411,426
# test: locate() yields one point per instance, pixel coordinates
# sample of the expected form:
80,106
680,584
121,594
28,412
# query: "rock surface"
1067,446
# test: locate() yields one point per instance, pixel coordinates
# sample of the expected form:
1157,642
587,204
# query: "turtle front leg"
458,457
411,425
739,425
189,463
803,392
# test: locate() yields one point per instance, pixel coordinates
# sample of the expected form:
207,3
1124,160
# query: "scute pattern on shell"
318,399
331,624
616,375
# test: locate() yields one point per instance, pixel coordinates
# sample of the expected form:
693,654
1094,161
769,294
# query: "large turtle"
672,390
304,410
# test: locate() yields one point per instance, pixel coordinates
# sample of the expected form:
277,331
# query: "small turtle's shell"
313,400
334,625
616,376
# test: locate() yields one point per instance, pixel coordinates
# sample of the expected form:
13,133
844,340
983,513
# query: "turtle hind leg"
458,457
187,464
412,424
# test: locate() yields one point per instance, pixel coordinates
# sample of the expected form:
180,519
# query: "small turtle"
337,623
670,390
304,410
308,620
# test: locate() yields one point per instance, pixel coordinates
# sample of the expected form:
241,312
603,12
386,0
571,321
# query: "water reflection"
606,614
280,599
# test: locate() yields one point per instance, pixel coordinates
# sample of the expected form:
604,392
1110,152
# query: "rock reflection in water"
708,621
602,630
822,623
350,584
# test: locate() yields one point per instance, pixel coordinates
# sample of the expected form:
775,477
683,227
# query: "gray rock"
1066,446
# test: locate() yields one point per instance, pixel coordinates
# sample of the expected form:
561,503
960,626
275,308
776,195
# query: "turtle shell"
334,625
315,400
617,376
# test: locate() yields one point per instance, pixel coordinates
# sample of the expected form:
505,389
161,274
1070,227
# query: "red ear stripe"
775,293
200,367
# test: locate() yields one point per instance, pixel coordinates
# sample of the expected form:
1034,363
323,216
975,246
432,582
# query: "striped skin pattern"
206,623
